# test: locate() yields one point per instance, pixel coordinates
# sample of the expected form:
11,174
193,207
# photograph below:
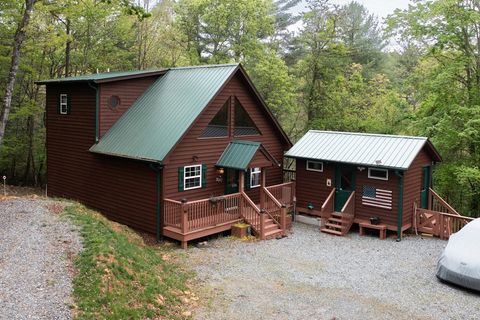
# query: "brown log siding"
128,91
208,151
413,185
123,190
311,186
363,212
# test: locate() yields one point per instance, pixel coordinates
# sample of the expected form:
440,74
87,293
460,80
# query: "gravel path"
36,247
311,275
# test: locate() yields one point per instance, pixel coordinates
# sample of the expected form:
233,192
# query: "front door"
231,181
425,187
344,184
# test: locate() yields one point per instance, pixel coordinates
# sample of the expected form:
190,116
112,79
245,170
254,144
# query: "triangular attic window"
218,127
244,126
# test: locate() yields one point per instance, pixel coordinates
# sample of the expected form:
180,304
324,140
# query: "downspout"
97,110
400,205
158,168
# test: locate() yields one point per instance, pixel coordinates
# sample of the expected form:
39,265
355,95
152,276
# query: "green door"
344,184
425,187
231,181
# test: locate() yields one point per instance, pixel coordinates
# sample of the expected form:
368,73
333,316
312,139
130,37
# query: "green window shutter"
247,179
181,171
204,175
69,103
58,104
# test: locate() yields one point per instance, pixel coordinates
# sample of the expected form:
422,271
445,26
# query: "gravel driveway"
36,246
311,275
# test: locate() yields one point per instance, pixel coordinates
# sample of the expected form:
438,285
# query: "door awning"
239,154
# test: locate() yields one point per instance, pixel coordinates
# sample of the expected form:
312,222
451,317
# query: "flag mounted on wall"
379,198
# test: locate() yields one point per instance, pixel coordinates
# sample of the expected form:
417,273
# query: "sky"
381,8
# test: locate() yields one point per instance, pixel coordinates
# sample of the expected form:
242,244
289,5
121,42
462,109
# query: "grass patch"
119,277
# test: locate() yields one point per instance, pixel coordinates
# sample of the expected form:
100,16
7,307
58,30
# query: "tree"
12,74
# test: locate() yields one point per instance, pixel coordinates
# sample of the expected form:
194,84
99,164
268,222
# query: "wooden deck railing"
284,193
348,213
328,207
172,213
438,204
438,223
194,215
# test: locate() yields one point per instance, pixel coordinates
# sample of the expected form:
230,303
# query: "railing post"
262,224
283,219
442,227
184,221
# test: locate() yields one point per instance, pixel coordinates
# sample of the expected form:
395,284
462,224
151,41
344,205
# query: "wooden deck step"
334,226
337,215
331,231
335,220
273,234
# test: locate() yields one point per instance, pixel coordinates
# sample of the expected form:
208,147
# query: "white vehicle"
460,261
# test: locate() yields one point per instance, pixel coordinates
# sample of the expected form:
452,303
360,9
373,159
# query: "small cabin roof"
373,150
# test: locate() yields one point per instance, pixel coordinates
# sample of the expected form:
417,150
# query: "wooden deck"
185,221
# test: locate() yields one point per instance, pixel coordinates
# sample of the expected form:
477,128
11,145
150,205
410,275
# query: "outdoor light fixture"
220,171
310,206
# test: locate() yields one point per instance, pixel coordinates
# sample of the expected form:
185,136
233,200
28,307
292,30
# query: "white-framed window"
379,174
63,105
314,166
192,177
255,177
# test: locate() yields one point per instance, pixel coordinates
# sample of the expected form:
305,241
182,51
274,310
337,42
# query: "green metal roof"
238,154
105,76
153,125
375,150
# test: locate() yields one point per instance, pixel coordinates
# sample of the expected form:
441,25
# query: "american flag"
379,198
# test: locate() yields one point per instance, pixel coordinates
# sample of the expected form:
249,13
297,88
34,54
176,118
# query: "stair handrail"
348,213
277,204
259,215
450,209
326,213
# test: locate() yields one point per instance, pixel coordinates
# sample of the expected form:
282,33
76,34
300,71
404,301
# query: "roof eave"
112,79
350,163
119,155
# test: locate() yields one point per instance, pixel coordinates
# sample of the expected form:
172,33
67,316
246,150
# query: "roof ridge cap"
369,134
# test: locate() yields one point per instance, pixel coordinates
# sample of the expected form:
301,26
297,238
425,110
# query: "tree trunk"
67,48
12,75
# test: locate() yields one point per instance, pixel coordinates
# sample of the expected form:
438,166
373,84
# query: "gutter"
97,110
158,168
399,174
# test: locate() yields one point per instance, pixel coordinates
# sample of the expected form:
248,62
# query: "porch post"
184,221
262,224
283,219
241,181
263,180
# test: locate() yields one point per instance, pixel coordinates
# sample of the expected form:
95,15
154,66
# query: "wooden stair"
335,225
272,230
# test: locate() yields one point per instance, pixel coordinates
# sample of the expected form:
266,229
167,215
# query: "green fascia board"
238,154
99,77
160,117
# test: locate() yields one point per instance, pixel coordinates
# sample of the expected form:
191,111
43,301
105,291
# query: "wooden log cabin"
374,180
180,152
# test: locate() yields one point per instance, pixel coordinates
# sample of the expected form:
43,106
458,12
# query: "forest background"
327,67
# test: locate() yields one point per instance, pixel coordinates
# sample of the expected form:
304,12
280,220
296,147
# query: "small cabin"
373,180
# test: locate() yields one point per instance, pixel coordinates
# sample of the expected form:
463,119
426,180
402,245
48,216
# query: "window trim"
254,171
316,170
63,104
370,176
192,177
